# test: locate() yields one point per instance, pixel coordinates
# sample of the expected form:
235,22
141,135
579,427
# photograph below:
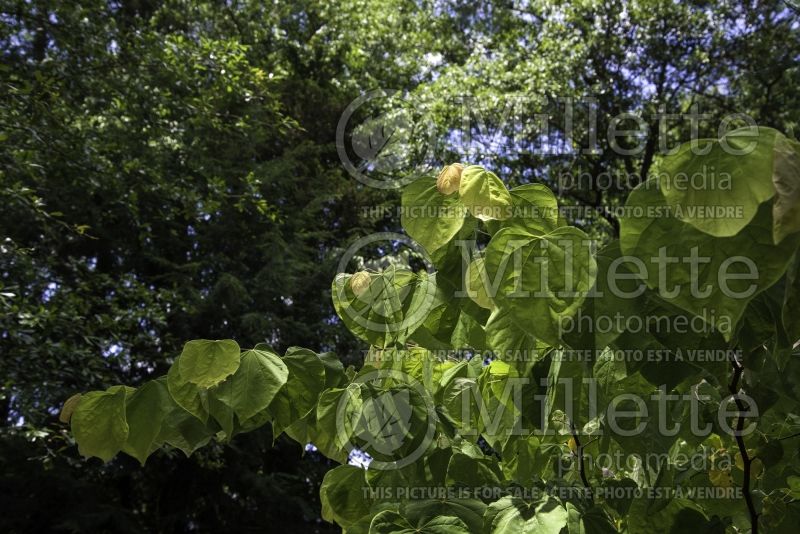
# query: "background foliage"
169,172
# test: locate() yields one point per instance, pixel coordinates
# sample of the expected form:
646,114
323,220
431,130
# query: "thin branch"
796,434
738,369
581,464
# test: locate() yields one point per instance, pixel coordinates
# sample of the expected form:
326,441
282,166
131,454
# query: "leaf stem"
733,387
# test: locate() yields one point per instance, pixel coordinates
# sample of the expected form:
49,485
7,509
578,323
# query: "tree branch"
738,369
581,464
789,436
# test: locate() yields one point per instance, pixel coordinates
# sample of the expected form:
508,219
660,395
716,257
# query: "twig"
581,465
789,436
738,369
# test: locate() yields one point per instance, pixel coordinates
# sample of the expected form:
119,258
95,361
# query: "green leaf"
675,517
265,347
460,401
791,300
392,422
345,495
620,494
468,333
429,217
693,183
207,363
362,525
334,370
146,410
617,293
758,261
184,431
189,396
471,472
99,423
509,341
522,459
484,194
535,209
257,421
593,521
540,280
512,514
786,179
451,260
255,383
337,412
69,407
470,511
395,304
221,412
390,522
436,333
478,284
300,394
